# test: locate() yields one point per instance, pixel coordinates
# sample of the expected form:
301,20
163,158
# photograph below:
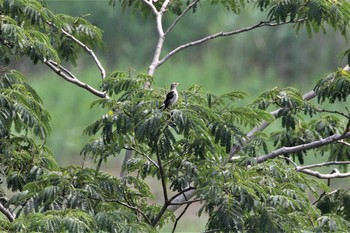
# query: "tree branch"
88,50
67,75
171,27
319,175
334,174
171,203
150,5
165,193
161,36
185,202
7,213
344,142
324,194
300,168
334,112
222,34
180,216
143,154
85,47
162,178
127,206
302,147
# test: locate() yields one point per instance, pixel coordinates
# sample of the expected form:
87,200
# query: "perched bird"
171,97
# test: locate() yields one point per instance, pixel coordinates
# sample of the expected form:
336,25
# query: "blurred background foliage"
253,62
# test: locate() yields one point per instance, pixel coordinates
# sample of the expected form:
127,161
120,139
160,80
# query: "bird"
171,97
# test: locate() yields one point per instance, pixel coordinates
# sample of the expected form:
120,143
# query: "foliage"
29,28
200,146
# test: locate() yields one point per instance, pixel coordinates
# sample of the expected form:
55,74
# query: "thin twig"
88,50
344,142
300,168
171,27
165,193
125,205
323,195
159,215
143,154
306,169
171,204
180,216
335,112
171,200
289,160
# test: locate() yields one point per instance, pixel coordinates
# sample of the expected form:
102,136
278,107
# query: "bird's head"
173,85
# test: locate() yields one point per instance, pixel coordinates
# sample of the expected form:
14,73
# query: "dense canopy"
206,149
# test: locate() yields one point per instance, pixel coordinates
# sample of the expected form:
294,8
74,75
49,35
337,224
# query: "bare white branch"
344,142
149,3
221,34
161,36
88,50
85,47
67,75
319,175
300,168
302,147
306,169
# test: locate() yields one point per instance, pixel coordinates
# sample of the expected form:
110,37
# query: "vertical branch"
152,67
162,178
161,35
165,193
161,39
127,157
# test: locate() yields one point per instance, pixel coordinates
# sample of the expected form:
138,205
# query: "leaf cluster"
263,198
190,142
29,29
334,87
198,126
294,112
22,117
186,147
21,107
311,14
80,200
